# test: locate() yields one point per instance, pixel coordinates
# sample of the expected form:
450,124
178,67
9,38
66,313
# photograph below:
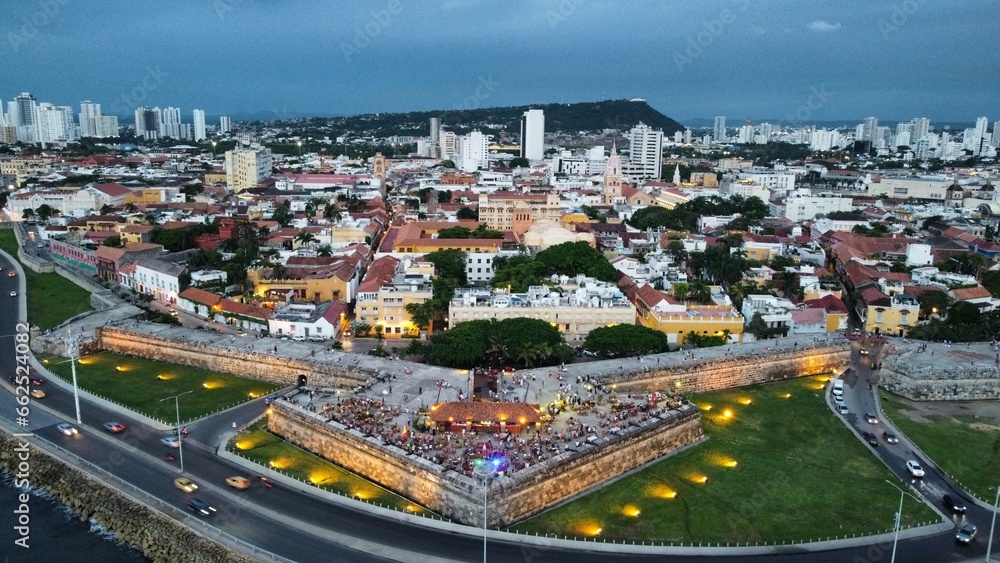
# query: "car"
956,506
299,338
173,313
171,441
914,468
889,437
966,534
270,399
114,427
37,381
185,484
871,418
864,352
68,429
40,245
183,431
315,338
13,294
38,394
199,506
237,482
870,438
842,408
11,274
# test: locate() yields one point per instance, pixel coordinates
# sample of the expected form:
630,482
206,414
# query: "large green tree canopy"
625,340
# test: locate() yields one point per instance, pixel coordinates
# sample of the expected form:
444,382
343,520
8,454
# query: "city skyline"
836,62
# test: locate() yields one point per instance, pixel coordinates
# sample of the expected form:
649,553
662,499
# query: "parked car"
68,429
185,484
114,427
871,418
299,338
199,506
914,468
956,506
870,438
889,437
966,534
842,408
238,482
171,441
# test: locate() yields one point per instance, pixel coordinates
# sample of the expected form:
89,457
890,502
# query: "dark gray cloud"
759,59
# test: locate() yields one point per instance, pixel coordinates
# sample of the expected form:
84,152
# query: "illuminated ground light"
122,368
245,445
700,479
731,463
211,385
662,491
280,463
631,510
727,413
590,529
411,508
705,407
746,401
320,478
164,377
362,495
786,396
85,361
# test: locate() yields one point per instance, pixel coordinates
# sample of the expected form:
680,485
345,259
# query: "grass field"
966,448
140,384
267,449
779,466
52,299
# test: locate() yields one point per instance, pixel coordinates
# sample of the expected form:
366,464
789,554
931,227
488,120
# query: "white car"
13,294
914,468
171,441
68,429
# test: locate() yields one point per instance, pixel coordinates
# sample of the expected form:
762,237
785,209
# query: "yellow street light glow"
786,396
122,368
590,529
631,510
727,413
746,401
700,479
164,377
705,407
732,463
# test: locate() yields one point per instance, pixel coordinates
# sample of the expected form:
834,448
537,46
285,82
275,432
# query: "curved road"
302,527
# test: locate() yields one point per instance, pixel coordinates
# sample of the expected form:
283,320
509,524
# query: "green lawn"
779,467
52,299
265,448
964,447
140,384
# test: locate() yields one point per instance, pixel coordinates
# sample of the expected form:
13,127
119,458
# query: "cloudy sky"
757,59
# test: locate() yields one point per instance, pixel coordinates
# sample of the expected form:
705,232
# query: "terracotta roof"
485,411
245,309
200,296
808,316
828,302
113,189
381,272
967,293
332,314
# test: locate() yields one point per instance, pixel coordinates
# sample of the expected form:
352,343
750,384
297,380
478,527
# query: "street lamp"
485,469
213,150
899,517
993,523
72,345
300,150
180,436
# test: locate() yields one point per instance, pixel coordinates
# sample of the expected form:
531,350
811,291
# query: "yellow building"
386,291
145,196
504,211
417,238
882,314
314,279
659,311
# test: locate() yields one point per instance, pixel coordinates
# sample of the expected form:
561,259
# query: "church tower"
677,175
613,177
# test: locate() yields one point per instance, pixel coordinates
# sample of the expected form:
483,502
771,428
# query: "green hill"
568,118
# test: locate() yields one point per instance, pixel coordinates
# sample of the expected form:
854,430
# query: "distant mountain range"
731,122
568,118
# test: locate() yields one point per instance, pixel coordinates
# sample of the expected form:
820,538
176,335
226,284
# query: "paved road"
303,528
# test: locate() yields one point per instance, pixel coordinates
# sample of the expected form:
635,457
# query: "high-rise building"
719,131
921,128
170,123
245,167
147,123
687,136
55,124
533,134
613,177
24,116
474,151
645,151
435,129
869,129
90,117
981,136
199,124
225,124
996,133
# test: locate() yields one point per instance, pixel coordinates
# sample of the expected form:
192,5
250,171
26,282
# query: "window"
878,316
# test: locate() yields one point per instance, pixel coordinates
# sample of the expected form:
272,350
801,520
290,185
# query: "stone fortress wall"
244,363
513,498
910,375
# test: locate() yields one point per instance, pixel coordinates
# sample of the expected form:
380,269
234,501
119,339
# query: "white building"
307,321
199,124
775,311
805,208
154,277
533,134
245,167
645,152
919,255
479,267
770,179
474,151
719,130
55,124
225,124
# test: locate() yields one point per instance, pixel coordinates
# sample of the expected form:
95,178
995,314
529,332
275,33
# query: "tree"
449,263
324,250
466,213
573,258
625,340
279,272
106,209
517,273
379,335
44,212
447,164
700,292
332,212
305,238
962,313
933,301
283,214
510,341
131,207
114,241
360,328
681,290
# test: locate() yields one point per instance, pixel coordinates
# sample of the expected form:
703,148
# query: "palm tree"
130,207
681,290
544,350
700,292
324,250
332,212
305,238
527,356
279,272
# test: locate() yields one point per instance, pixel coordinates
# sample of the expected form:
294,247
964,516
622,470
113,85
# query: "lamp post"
71,344
180,437
213,150
485,469
300,150
993,523
899,517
